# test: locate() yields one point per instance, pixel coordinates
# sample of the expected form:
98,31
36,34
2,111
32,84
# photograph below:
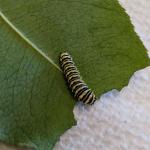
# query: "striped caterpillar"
79,89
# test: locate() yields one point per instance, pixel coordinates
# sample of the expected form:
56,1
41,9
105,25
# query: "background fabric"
139,12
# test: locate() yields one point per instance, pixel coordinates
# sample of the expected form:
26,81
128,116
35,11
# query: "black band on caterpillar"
79,89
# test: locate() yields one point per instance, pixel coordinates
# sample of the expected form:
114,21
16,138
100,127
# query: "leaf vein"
37,49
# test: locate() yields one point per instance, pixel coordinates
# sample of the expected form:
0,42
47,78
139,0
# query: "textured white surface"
119,120
139,12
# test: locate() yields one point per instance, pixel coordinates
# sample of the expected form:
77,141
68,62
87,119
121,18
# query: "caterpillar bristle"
79,89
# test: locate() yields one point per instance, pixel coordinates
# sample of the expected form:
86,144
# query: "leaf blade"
102,42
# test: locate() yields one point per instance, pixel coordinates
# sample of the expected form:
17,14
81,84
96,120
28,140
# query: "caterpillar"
78,87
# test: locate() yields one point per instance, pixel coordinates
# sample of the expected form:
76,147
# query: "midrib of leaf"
37,49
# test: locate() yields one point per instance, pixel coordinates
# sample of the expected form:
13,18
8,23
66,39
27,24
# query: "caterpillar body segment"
78,87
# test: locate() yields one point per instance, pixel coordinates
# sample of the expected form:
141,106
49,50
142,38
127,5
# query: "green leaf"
35,104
